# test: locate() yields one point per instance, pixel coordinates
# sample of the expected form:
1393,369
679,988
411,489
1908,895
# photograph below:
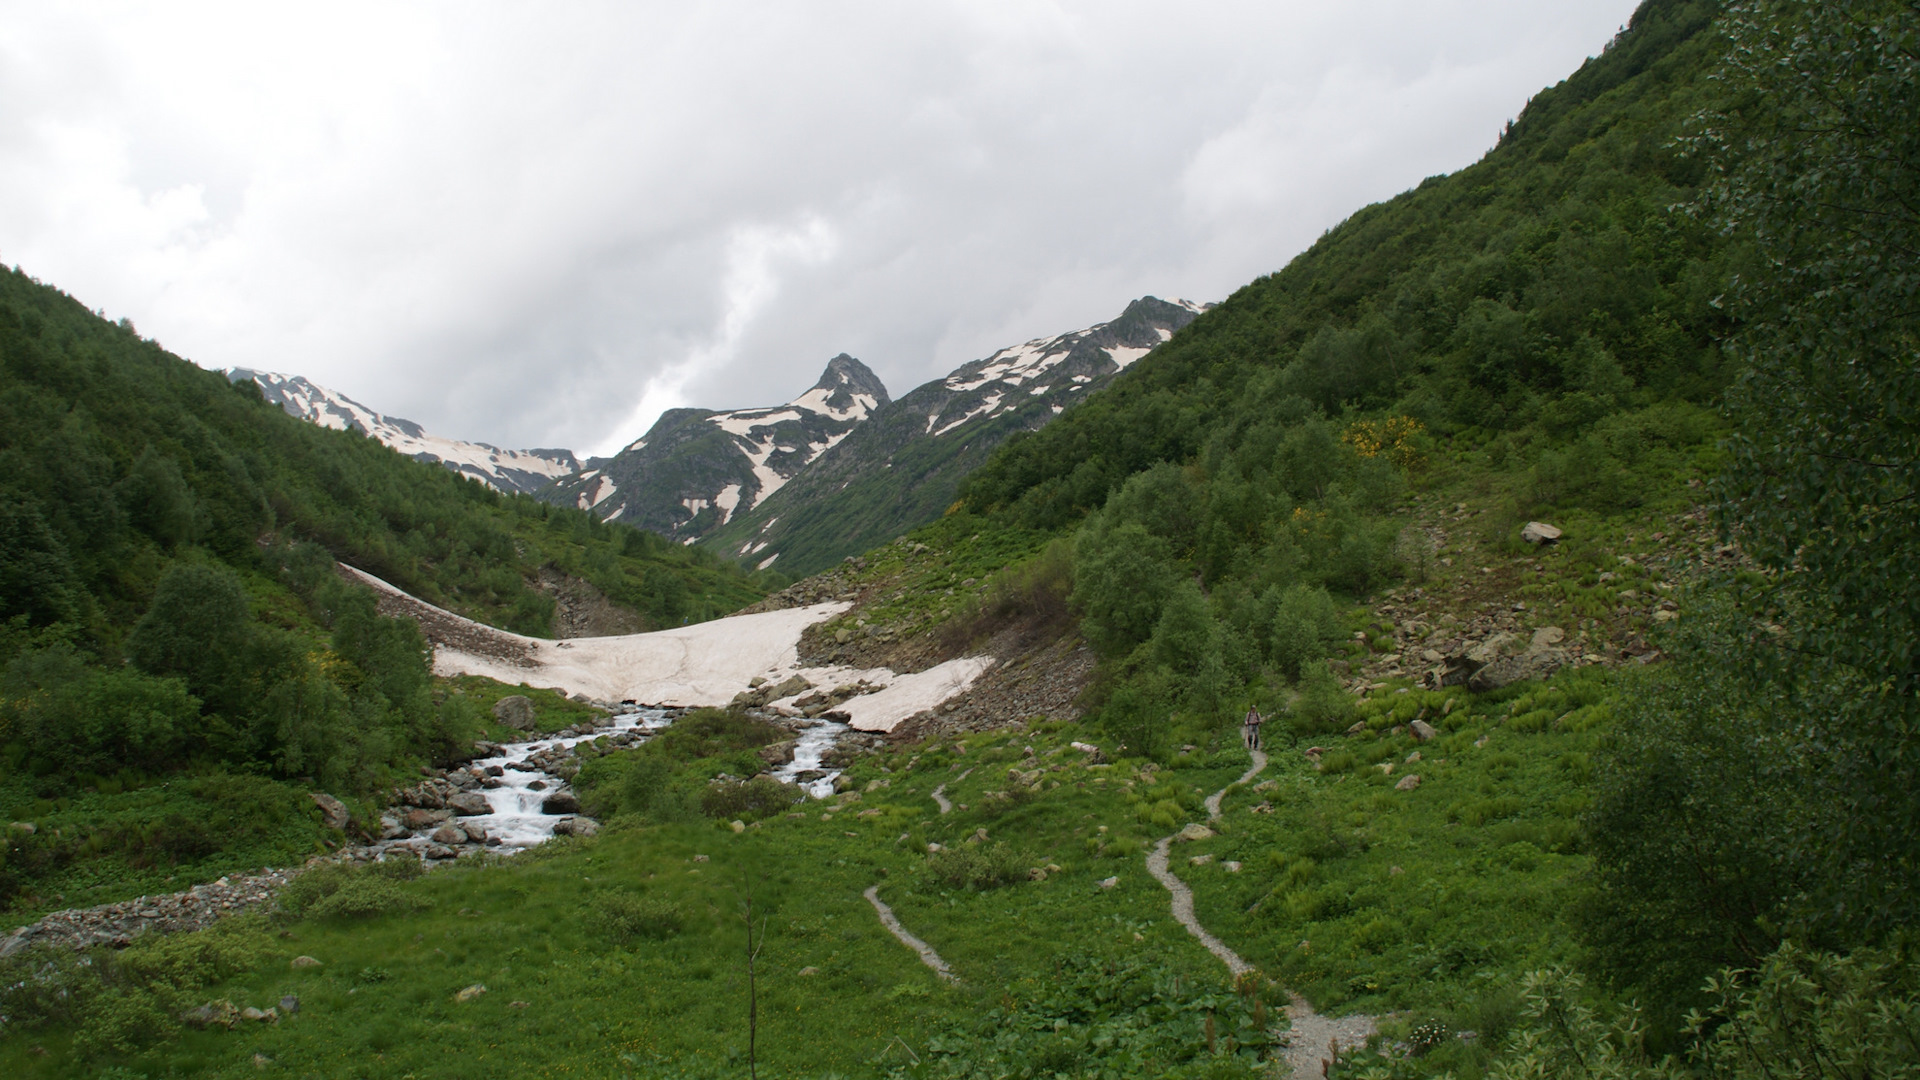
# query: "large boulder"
1540,659
560,802
780,753
514,711
469,803
576,826
1539,532
333,812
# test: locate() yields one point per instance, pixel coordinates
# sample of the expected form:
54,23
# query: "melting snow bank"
906,695
703,664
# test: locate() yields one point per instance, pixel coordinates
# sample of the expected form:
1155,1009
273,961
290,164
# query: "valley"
1553,516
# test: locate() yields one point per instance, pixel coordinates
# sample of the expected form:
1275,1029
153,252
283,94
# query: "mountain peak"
846,387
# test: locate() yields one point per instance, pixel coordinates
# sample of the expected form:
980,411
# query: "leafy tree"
1122,576
1304,625
1770,788
197,628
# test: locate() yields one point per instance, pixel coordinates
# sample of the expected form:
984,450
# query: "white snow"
744,421
909,694
602,489
1038,390
331,409
986,406
1122,355
815,400
704,664
728,498
766,562
770,481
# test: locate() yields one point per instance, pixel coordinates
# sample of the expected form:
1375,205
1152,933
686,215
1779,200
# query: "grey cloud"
508,223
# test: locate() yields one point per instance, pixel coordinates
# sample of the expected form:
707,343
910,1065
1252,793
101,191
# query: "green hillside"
169,607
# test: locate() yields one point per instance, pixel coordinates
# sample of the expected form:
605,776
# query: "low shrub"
625,917
337,891
759,797
977,866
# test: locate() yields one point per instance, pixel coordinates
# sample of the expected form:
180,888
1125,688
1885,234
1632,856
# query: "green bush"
977,866
1304,628
759,797
625,917
337,891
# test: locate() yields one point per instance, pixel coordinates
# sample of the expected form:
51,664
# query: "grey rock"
1539,532
469,803
576,826
515,711
333,812
560,802
1422,730
449,834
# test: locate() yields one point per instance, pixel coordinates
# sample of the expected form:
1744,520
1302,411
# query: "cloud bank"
542,225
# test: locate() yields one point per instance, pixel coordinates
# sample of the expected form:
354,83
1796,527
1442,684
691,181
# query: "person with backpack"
1254,720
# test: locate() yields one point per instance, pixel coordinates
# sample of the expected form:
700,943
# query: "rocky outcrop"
333,812
1501,659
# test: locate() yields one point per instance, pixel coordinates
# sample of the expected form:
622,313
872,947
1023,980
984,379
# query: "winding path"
927,955
1313,1039
940,793
1183,896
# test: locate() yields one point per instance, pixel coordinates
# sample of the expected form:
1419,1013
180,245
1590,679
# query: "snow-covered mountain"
695,469
508,470
903,467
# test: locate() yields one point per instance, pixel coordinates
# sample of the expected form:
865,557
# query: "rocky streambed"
509,797
512,795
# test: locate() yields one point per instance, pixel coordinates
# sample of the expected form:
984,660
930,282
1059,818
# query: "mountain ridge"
695,467
903,467
521,471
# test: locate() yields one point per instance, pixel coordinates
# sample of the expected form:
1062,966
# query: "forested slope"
169,606
1555,282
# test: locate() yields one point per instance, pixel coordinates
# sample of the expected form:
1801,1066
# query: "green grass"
552,710
131,835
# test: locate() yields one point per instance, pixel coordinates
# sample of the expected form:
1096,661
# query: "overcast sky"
542,224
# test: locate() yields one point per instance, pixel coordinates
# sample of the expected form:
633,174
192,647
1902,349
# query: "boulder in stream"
469,803
560,802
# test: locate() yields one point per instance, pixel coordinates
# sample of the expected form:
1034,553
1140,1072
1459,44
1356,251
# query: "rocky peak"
847,388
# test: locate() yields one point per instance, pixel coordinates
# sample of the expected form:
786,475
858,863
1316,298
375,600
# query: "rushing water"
807,754
517,820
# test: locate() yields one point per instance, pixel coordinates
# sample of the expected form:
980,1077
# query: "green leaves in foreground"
1800,1016
1109,1018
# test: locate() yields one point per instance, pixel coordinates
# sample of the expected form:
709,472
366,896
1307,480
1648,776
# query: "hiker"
1254,720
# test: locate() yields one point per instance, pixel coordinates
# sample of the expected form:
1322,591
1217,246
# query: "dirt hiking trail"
1313,1040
